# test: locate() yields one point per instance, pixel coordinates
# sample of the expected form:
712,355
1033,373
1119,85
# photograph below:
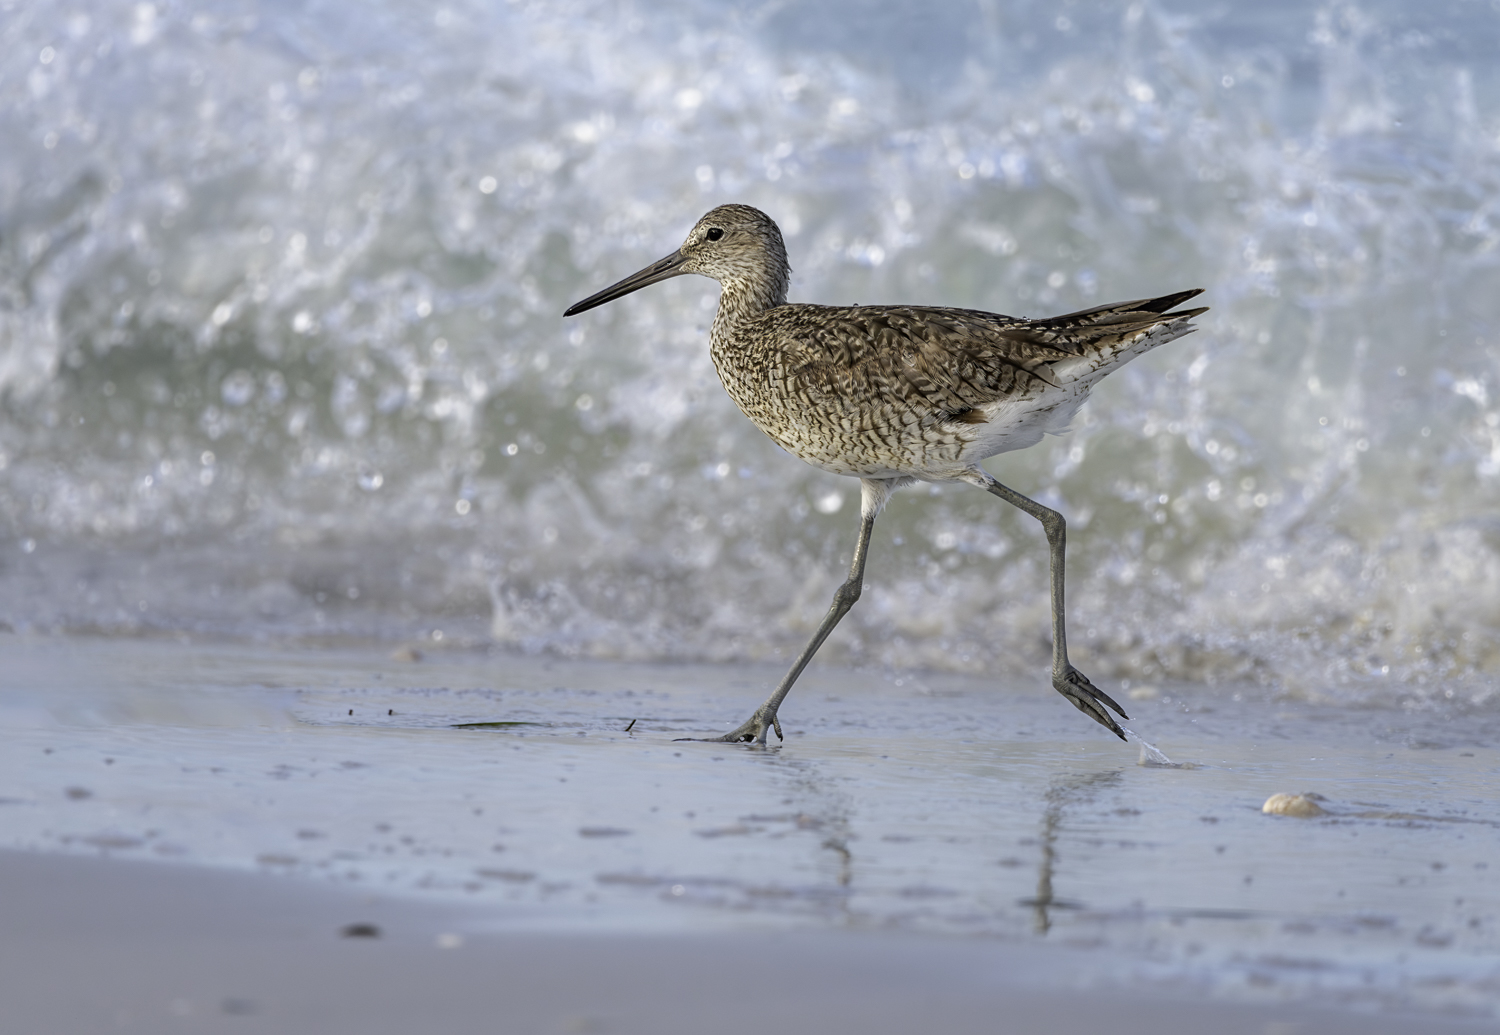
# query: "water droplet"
238,388
830,502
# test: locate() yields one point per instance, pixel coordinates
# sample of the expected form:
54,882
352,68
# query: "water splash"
280,349
1151,755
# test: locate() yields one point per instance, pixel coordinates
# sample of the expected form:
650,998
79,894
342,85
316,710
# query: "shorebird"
893,395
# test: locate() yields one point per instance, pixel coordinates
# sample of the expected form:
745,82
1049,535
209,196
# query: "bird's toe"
1089,699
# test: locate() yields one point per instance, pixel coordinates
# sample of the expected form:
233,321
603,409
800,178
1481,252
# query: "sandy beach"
191,830
91,946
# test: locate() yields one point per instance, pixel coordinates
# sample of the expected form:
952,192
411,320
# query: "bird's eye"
714,233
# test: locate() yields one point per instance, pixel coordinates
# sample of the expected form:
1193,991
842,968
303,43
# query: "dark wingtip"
1172,301
1119,313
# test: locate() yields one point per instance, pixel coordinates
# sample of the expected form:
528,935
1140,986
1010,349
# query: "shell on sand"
1302,806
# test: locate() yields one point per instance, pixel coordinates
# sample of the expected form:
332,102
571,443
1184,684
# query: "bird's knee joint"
845,596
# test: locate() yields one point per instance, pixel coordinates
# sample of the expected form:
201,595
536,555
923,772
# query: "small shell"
1300,805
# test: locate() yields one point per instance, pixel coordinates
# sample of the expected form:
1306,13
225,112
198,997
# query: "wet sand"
191,828
89,945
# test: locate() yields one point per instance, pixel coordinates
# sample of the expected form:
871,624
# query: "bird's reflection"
1065,792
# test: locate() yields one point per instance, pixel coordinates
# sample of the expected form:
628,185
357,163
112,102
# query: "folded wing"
945,363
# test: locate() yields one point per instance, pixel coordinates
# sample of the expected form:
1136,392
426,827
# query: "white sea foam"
280,343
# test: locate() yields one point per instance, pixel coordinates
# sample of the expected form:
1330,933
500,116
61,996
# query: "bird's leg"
754,729
1066,679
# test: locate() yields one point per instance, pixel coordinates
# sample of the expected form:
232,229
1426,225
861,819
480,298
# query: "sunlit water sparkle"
281,352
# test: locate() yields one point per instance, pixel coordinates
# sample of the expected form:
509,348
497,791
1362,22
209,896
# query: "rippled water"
281,348
942,804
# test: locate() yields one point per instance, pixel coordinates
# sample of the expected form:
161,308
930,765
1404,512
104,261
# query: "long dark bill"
662,269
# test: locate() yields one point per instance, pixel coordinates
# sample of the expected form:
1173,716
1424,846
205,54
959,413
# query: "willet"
897,394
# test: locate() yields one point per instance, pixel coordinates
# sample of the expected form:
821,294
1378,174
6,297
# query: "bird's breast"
844,424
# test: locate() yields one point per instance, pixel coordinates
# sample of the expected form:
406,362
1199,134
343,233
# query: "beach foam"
281,354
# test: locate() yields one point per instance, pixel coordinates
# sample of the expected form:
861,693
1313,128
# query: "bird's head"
734,244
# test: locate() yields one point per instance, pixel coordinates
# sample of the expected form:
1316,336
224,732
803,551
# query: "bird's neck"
744,298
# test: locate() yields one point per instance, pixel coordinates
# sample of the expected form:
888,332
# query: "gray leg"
873,500
1066,679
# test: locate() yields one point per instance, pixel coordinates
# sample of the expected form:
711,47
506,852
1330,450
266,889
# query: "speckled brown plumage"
890,391
891,394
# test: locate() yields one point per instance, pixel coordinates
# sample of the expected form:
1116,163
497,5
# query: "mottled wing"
903,355
947,360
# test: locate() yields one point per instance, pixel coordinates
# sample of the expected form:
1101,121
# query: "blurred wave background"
281,352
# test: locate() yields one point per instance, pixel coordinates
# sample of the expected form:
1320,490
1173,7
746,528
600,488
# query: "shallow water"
899,801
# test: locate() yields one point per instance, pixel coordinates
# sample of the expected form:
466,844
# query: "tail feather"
1112,335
